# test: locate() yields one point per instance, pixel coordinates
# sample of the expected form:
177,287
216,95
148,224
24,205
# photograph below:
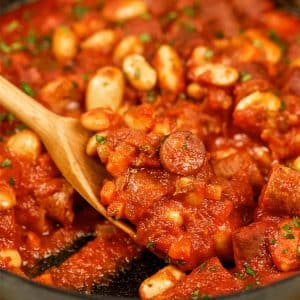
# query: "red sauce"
202,147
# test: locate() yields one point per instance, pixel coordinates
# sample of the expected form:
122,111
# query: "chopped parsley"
150,245
21,126
184,147
79,11
277,40
31,37
248,270
205,297
100,139
6,163
195,295
189,11
208,54
272,242
145,37
213,269
11,181
119,23
257,43
27,89
146,16
85,77
285,251
296,222
188,27
15,46
289,236
12,26
245,76
172,15
282,106
4,47
202,266
219,34
151,96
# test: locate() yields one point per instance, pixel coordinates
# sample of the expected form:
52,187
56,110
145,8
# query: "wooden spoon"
65,140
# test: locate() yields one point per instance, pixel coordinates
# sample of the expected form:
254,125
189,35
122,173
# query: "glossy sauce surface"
195,110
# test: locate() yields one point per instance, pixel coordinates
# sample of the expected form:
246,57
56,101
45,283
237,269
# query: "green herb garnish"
245,76
6,163
27,89
145,37
100,139
248,270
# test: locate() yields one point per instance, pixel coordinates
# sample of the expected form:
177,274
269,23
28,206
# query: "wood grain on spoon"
65,140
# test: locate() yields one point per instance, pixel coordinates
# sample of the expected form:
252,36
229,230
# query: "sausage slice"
182,153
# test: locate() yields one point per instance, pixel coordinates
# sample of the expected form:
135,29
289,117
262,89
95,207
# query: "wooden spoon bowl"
65,140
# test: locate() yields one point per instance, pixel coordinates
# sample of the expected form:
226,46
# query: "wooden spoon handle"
24,107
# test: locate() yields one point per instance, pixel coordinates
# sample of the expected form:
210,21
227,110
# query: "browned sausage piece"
182,153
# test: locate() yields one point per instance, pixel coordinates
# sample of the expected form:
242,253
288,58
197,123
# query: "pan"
125,285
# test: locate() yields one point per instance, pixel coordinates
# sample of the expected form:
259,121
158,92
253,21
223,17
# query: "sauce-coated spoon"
65,140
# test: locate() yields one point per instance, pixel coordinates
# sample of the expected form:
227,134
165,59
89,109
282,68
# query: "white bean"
122,10
267,101
139,72
169,68
272,51
216,74
161,281
105,89
103,40
26,144
97,119
7,197
128,45
64,44
14,257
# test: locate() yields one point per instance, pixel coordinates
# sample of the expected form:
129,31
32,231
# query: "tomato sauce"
195,111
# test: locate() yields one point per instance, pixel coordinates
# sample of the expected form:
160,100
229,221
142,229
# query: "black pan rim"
263,293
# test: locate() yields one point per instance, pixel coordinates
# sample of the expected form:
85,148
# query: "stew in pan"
195,112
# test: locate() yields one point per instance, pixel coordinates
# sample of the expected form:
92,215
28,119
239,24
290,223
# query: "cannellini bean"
93,143
64,44
97,119
122,10
14,257
25,143
195,91
103,40
267,101
161,281
139,72
272,51
169,68
296,164
216,74
105,89
128,45
7,197
198,56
